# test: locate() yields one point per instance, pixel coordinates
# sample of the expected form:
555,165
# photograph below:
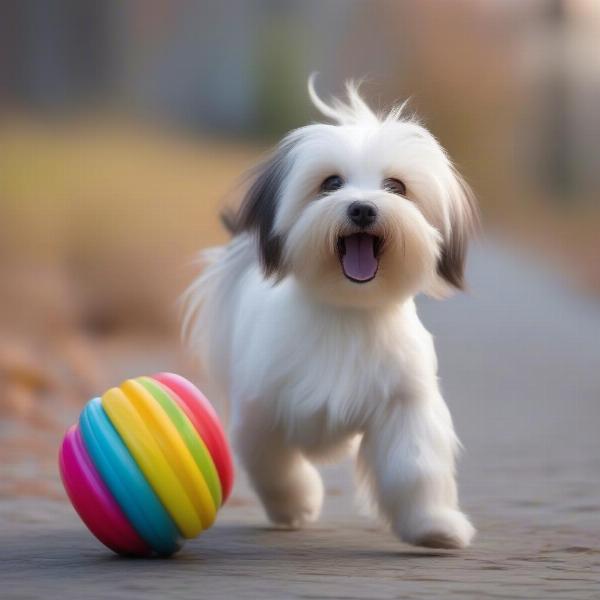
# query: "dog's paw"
298,503
448,529
293,517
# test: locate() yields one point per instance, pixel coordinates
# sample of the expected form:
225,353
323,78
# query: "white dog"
306,319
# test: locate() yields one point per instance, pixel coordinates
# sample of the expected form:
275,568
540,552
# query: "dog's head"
363,212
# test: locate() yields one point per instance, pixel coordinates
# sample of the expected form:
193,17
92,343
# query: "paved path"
520,366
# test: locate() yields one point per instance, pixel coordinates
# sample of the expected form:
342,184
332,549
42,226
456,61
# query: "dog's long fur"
314,362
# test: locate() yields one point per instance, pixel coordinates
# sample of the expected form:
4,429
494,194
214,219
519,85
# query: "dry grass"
112,211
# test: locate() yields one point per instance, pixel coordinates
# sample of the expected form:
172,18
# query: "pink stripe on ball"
92,499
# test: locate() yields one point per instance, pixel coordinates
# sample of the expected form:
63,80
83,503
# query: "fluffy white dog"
306,319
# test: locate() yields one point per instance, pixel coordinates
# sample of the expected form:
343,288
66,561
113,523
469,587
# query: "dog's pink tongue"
359,261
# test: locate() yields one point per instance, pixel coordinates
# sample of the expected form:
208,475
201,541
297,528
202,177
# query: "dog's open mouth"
359,256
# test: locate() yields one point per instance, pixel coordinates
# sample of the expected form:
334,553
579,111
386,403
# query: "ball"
147,465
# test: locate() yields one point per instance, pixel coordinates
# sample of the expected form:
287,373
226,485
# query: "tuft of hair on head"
354,110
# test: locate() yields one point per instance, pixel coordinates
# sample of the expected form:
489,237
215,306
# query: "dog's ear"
259,206
463,221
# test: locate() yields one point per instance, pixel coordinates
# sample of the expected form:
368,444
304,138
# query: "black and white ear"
463,222
257,211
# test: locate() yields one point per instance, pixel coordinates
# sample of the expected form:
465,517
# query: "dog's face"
363,213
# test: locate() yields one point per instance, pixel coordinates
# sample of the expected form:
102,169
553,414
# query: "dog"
306,320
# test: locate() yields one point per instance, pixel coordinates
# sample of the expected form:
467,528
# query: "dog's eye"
395,186
332,183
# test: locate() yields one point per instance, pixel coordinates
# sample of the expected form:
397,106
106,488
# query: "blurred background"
124,125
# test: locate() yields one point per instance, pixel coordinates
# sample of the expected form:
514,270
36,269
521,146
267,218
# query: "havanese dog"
306,320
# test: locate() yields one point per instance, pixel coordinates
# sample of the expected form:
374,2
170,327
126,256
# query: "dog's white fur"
312,361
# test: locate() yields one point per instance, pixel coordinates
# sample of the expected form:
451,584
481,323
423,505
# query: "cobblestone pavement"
520,367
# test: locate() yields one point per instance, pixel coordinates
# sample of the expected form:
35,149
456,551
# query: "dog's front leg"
407,459
288,485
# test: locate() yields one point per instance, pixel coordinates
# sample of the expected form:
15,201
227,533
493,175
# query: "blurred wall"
522,76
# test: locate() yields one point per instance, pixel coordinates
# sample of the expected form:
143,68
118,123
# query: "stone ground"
520,367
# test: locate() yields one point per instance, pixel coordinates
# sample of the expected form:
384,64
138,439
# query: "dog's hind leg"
288,485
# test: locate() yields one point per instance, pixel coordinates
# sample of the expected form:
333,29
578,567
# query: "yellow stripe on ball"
174,448
152,462
194,443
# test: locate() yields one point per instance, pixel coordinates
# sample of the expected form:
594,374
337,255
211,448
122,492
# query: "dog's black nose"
362,214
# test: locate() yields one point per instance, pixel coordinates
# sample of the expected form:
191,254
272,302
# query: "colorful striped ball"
148,465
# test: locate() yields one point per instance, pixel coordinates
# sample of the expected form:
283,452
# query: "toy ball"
148,465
